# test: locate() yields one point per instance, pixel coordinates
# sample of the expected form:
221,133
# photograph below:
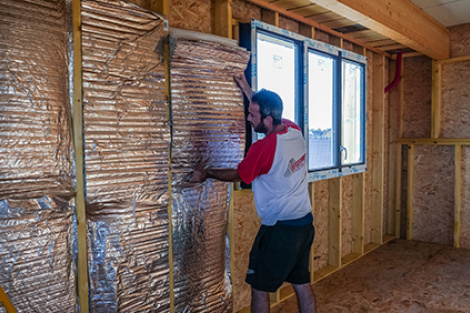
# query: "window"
323,90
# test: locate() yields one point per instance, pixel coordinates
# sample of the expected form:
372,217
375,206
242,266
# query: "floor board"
400,276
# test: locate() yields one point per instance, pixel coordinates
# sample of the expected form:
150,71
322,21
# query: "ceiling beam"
399,20
316,25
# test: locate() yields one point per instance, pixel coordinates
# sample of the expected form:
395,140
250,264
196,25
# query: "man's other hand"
198,176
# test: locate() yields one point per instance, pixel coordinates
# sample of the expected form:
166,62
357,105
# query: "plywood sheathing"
433,194
455,122
320,244
398,277
417,90
346,215
367,175
191,15
245,223
460,40
244,11
465,213
289,24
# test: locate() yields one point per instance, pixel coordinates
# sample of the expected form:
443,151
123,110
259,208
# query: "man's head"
265,110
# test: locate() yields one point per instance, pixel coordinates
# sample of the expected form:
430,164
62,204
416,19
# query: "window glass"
276,69
320,112
351,148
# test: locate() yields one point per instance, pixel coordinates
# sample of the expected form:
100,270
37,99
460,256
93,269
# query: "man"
276,167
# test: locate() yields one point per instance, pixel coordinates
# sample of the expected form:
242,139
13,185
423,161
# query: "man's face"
254,117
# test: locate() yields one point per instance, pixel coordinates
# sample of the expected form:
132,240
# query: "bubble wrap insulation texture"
208,131
36,169
127,138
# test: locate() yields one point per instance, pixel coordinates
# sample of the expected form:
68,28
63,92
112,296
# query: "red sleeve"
291,124
258,160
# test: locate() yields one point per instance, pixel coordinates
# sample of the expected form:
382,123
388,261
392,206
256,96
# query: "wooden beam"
77,126
5,302
397,196
409,203
377,162
299,18
160,7
311,191
436,141
334,222
457,194
399,20
394,153
436,99
223,18
455,60
358,214
411,54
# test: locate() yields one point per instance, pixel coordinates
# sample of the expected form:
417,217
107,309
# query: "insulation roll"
127,137
37,271
208,131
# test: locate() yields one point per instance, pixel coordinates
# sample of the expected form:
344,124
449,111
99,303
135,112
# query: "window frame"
306,45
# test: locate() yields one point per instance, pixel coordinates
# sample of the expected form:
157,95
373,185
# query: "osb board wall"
465,213
367,175
417,90
433,194
191,15
460,40
244,11
346,215
245,225
455,120
320,214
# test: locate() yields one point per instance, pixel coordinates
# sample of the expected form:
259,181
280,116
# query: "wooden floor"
400,276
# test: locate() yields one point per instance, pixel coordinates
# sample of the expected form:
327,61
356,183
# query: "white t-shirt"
277,166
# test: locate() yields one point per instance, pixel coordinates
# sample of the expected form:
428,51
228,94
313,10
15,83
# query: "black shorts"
280,253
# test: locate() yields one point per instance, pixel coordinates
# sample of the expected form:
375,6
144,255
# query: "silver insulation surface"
208,131
36,170
127,139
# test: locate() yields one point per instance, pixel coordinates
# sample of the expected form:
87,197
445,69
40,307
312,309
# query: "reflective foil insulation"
36,167
208,131
127,138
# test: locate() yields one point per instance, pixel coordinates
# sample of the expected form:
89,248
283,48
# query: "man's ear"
268,120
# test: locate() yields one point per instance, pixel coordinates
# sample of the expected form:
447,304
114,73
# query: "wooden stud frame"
334,222
409,230
378,139
436,99
77,124
457,194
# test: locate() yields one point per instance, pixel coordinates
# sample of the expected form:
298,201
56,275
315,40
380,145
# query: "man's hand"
242,83
198,176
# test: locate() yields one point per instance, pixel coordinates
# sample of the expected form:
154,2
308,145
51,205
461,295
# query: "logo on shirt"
294,166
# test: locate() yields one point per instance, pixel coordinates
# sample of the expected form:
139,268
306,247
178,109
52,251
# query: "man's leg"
305,298
259,301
